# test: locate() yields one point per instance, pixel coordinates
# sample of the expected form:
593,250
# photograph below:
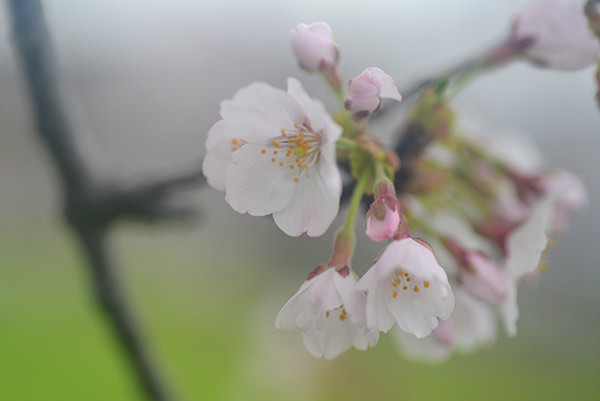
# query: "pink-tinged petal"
485,279
259,112
315,202
574,197
444,332
367,89
560,34
528,241
474,323
313,46
383,218
255,184
220,145
316,113
426,349
388,89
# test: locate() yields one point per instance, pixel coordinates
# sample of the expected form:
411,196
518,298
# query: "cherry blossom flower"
525,246
559,33
314,48
471,326
484,279
407,285
573,197
274,152
330,312
367,89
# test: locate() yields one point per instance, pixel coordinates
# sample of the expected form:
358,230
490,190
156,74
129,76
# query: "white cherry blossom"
406,285
330,312
559,33
274,152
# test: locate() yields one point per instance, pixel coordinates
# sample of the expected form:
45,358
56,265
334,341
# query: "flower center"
403,281
296,149
340,311
237,143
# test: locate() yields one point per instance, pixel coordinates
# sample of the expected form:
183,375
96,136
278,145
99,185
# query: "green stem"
347,143
357,195
380,172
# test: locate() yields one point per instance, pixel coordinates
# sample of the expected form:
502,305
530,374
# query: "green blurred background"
144,79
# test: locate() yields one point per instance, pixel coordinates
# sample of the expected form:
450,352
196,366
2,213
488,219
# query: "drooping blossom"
573,197
385,214
471,326
367,89
525,246
274,152
406,285
559,33
479,274
330,312
313,47
484,278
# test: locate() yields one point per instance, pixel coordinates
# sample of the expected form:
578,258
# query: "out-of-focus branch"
90,208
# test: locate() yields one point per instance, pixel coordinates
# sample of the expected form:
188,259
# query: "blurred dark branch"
90,208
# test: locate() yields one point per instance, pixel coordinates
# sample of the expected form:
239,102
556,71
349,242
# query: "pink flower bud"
313,47
484,278
383,218
367,89
559,33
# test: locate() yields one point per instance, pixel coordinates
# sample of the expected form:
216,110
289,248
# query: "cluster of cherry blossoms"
466,218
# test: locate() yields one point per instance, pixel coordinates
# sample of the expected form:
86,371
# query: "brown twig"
90,208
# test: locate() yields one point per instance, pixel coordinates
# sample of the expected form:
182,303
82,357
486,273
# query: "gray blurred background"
143,80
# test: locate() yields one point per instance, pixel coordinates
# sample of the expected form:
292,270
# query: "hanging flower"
471,326
330,312
406,285
525,246
559,33
274,152
367,89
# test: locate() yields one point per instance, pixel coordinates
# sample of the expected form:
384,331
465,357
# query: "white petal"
255,184
410,314
527,242
378,317
426,349
259,112
333,339
474,323
306,308
315,202
509,311
218,153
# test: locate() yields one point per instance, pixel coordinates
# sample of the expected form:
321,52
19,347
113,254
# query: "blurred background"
144,79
